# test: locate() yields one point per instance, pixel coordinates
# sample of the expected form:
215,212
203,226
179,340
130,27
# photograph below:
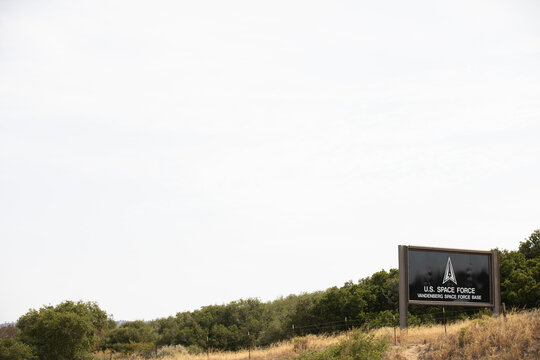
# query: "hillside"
485,338
517,337
80,329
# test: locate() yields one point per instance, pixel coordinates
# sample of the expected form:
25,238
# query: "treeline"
75,330
251,322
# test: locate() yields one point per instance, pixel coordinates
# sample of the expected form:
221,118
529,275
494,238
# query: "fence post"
293,331
395,334
496,284
346,324
444,319
504,311
207,349
249,346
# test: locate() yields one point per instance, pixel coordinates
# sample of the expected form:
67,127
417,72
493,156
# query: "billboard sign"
447,277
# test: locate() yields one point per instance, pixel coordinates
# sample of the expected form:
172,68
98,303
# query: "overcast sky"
159,156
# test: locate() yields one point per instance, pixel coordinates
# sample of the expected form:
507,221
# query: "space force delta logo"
449,274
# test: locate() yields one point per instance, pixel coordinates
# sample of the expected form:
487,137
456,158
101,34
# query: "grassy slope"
486,338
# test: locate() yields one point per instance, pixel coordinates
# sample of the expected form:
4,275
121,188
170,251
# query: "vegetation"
520,274
132,337
481,338
358,346
488,338
69,331
11,349
76,330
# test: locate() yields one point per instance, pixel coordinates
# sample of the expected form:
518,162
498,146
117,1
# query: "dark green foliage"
373,300
132,337
68,331
303,314
11,349
385,318
520,274
167,331
358,347
530,248
359,303
131,332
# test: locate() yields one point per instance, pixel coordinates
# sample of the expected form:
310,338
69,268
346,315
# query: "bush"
171,351
8,332
131,332
520,274
133,337
359,347
195,350
11,349
385,318
68,331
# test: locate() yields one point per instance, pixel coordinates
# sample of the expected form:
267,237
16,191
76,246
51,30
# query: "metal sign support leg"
403,287
496,284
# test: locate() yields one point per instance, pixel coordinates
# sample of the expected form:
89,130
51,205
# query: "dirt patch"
405,352
413,352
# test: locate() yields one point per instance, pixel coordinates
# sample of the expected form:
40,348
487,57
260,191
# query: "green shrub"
195,350
359,347
68,331
11,349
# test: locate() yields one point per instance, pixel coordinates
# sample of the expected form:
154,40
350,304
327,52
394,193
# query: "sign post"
403,287
447,277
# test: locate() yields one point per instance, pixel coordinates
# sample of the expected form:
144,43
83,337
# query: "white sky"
158,156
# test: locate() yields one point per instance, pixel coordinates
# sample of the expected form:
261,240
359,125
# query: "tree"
530,248
132,332
520,273
68,331
132,337
11,349
8,332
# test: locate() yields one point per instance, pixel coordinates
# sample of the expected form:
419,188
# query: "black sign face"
449,276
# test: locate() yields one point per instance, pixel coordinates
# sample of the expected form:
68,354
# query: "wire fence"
248,341
442,316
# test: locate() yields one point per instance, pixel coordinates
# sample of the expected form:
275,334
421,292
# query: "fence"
443,317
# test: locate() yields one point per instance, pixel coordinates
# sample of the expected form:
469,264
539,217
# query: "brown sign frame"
404,301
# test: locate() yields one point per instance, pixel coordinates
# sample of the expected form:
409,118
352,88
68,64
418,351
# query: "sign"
447,277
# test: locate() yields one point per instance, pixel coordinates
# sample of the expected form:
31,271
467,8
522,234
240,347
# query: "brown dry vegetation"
279,351
485,338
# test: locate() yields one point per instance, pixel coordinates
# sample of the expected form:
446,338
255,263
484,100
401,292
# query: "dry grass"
411,342
419,334
486,338
279,351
